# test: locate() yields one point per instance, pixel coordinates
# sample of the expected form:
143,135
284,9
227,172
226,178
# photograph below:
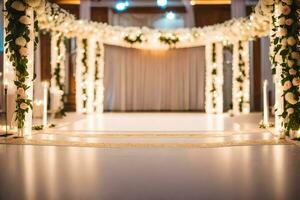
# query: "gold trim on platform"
22,141
165,134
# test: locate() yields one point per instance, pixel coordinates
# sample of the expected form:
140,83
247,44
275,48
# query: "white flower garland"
19,50
256,25
90,76
87,85
99,77
81,96
58,57
240,79
286,65
214,78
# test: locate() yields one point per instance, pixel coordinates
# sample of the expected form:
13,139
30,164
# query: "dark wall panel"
99,14
211,14
45,44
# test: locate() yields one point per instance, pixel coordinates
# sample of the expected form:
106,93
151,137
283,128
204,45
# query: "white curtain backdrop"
154,80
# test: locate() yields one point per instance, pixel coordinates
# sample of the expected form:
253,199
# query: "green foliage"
57,75
291,121
242,75
138,39
14,30
214,72
85,69
97,65
169,40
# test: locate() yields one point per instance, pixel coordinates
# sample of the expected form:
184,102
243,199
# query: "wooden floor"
246,172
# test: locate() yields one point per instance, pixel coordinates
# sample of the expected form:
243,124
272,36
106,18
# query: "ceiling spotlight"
121,5
170,15
162,3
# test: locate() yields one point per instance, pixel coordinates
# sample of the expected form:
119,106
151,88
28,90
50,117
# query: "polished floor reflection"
245,172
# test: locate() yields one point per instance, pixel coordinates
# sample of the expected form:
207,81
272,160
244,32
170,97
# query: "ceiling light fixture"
162,3
121,5
170,15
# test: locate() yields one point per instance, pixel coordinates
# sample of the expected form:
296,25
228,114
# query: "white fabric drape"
147,80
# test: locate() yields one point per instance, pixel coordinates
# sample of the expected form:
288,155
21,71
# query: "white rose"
289,97
289,21
296,81
283,42
280,21
132,37
285,10
23,106
18,5
24,20
143,38
290,111
290,63
33,3
23,51
20,91
278,58
287,85
292,72
291,41
281,32
288,2
295,55
20,41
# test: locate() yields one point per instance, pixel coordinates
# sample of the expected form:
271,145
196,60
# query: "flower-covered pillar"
58,56
285,58
99,77
214,78
80,59
19,45
90,80
81,75
240,79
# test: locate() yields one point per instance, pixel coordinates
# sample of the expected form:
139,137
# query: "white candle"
45,103
5,83
266,103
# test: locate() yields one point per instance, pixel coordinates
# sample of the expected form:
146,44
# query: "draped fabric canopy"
154,80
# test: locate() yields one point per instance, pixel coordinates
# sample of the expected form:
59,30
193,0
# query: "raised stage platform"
153,130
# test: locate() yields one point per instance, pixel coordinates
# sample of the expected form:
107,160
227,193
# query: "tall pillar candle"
45,104
266,103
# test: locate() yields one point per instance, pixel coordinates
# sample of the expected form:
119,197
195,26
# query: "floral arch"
275,18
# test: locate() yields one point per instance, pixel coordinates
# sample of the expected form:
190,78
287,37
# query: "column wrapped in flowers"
99,77
81,75
214,78
19,48
240,81
286,64
58,57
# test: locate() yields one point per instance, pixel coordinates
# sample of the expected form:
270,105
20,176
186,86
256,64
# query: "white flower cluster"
257,25
285,59
24,19
22,94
